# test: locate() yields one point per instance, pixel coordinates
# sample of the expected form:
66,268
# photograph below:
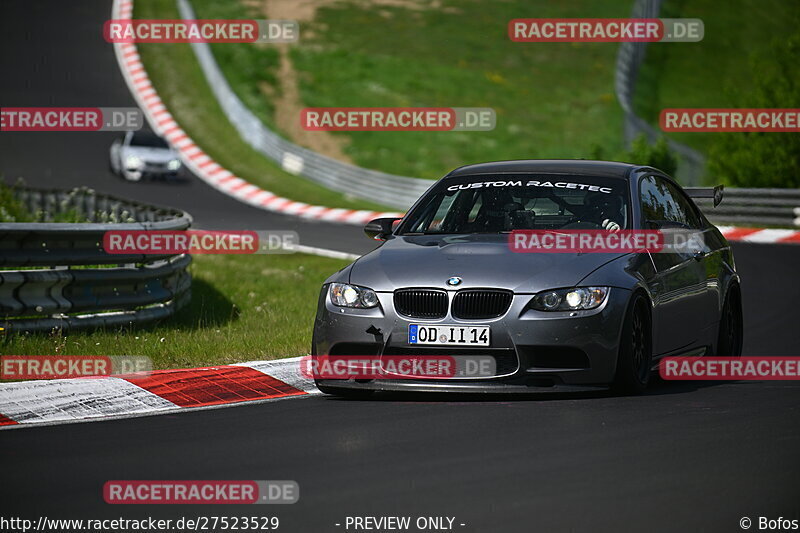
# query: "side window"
434,212
661,200
441,213
657,203
686,207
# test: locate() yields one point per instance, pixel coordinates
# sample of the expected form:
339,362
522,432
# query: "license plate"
448,335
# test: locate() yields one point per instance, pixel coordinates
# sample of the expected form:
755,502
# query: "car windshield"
150,140
498,204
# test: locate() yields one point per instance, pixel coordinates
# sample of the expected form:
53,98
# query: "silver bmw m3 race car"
140,154
447,281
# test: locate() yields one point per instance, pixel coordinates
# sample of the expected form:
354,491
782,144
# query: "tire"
731,331
635,349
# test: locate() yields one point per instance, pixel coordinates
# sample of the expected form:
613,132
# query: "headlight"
575,299
133,161
345,295
174,164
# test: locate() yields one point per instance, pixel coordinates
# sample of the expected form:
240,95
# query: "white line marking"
769,235
75,399
176,410
286,370
322,252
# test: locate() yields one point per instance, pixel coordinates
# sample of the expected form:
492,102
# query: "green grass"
176,75
717,71
243,308
552,100
247,67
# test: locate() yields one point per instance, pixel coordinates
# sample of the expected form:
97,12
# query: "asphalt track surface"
682,457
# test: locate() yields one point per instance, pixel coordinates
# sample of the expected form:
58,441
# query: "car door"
709,258
679,285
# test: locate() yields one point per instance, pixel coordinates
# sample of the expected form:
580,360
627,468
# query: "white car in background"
140,154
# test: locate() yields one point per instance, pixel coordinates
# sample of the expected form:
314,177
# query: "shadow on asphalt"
656,388
181,179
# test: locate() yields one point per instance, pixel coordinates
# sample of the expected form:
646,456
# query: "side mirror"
380,228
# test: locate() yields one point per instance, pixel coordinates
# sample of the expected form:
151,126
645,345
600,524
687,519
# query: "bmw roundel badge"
455,280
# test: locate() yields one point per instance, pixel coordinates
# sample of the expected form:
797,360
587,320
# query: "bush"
763,159
11,208
656,155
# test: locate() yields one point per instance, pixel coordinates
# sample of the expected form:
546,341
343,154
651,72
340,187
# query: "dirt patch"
288,104
299,10
304,10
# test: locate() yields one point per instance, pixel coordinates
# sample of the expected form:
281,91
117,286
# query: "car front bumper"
150,171
533,350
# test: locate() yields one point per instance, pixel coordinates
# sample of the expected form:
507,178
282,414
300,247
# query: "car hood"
150,154
480,260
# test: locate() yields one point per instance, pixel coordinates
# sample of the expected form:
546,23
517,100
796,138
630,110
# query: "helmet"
602,205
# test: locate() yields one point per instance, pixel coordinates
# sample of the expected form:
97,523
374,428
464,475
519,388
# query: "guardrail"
387,189
69,281
769,207
691,163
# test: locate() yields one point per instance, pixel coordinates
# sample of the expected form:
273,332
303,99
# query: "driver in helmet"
605,210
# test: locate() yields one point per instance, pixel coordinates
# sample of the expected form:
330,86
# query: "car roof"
549,166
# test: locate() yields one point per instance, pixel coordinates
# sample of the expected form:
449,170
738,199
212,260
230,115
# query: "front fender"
629,272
